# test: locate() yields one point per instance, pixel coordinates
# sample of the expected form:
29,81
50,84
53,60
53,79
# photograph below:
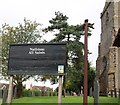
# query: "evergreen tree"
71,35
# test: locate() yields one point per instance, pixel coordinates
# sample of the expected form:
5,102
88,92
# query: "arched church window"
107,18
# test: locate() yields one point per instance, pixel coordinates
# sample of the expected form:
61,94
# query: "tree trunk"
64,78
19,89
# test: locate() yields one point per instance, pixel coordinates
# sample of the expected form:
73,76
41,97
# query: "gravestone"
4,98
1,93
96,92
91,94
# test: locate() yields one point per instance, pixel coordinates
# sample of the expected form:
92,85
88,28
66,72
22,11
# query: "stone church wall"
107,65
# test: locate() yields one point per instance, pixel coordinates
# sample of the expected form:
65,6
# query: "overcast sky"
14,11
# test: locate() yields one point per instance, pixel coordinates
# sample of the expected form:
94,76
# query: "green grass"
67,99
108,100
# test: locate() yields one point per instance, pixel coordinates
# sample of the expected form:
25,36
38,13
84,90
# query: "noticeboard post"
37,59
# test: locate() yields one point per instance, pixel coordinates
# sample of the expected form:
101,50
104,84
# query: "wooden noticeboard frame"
37,59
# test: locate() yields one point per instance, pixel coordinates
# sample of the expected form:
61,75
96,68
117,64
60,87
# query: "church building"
108,61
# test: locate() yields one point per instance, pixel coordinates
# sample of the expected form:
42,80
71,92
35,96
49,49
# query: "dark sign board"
37,59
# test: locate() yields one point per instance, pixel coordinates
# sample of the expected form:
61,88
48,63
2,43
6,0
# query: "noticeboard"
37,59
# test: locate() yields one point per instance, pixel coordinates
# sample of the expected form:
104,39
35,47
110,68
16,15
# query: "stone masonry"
107,64
0,52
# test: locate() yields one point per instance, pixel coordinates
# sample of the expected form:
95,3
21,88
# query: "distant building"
108,61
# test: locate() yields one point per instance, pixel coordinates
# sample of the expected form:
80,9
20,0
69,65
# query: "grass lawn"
67,99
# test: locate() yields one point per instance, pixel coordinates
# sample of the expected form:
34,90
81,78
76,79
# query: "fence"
30,93
114,93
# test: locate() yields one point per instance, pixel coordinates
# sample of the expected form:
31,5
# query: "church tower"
108,61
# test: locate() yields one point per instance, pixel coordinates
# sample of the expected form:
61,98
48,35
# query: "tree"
91,77
70,34
27,32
